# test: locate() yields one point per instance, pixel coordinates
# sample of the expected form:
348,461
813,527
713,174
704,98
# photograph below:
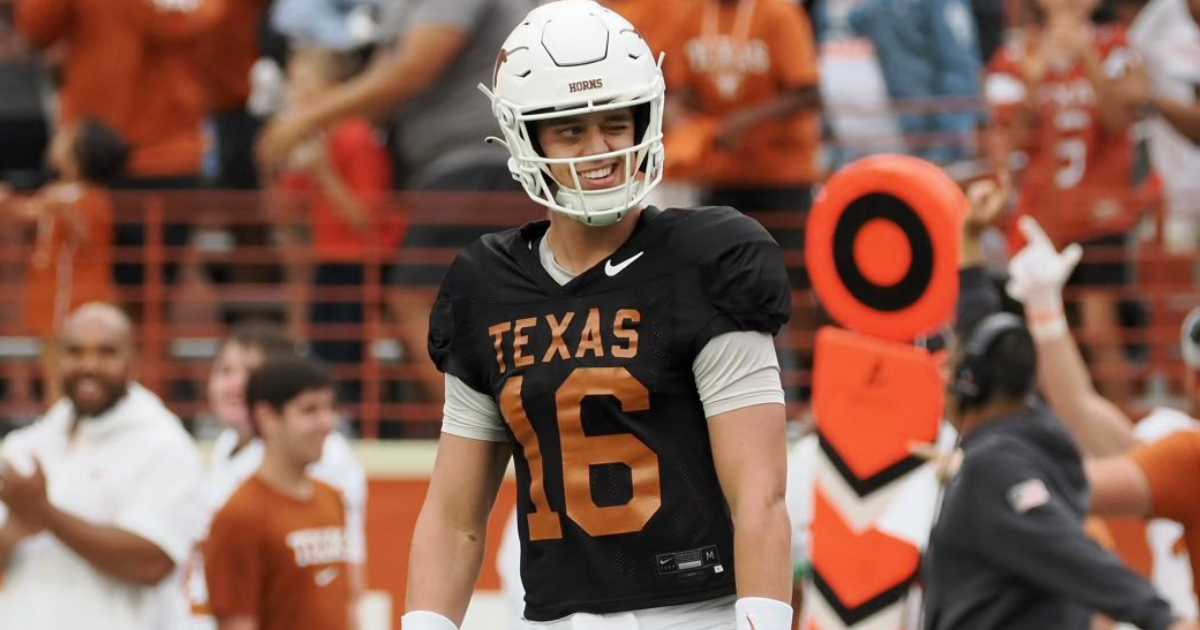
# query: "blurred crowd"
1084,108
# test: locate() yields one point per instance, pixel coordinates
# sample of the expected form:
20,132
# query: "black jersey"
619,505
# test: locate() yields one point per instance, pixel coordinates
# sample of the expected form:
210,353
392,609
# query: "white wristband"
766,614
425,620
1047,325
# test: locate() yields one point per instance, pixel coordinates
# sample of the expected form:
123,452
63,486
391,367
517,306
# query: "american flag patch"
1027,495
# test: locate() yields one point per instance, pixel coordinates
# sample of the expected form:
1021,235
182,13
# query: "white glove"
1036,278
425,620
761,613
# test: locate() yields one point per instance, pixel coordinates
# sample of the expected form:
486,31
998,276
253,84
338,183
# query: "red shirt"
361,160
1079,180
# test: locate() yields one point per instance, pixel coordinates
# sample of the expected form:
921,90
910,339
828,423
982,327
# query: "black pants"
133,235
1113,271
345,350
494,178
236,130
23,151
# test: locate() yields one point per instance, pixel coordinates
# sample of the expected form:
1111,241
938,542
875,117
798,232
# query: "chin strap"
603,199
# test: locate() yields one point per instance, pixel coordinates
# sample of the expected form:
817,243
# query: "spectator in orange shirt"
1054,94
749,129
346,174
134,65
277,556
748,73
660,22
72,256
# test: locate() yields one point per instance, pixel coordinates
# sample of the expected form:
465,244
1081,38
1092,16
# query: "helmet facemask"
642,162
574,58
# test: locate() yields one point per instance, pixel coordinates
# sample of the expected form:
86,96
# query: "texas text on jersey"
619,502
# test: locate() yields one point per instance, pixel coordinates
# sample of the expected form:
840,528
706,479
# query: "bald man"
100,500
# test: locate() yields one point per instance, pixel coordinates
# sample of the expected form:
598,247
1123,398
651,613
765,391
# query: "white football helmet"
568,58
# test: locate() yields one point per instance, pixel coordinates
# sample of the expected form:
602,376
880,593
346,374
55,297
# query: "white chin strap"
602,200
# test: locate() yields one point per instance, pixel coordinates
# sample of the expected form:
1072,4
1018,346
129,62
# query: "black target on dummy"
882,246
915,281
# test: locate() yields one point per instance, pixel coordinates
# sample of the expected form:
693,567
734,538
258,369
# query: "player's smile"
594,135
600,177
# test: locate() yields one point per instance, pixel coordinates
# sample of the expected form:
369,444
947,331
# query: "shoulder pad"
471,278
472,267
741,270
701,235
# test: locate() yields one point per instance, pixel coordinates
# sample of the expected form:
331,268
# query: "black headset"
970,385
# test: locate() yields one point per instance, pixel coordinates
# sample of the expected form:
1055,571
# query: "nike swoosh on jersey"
326,576
611,270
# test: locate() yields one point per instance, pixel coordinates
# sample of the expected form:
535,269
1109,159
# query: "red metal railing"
179,321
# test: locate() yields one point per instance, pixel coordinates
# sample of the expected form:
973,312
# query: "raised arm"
1038,273
391,79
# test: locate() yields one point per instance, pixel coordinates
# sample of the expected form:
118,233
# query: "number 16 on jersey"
580,452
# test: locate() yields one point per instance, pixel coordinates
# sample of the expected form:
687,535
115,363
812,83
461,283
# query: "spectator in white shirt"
1166,34
101,498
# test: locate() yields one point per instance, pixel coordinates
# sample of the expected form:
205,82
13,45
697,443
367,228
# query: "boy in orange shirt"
276,556
72,254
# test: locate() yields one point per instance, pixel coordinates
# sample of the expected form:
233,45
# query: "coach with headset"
1009,550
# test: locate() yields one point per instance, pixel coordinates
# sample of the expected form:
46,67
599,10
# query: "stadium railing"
237,266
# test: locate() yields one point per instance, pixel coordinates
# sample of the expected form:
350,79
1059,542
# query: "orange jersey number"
580,452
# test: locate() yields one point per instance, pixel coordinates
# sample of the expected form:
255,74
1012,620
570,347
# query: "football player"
1145,470
622,353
